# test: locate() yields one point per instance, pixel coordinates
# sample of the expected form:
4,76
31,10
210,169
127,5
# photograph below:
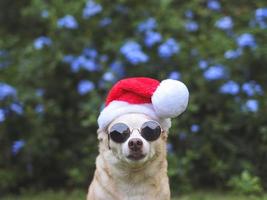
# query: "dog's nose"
135,144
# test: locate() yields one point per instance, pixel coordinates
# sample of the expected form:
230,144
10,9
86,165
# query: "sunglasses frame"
139,130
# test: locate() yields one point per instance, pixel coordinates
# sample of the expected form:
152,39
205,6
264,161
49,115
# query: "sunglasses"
120,132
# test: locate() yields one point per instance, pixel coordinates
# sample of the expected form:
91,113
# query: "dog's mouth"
136,156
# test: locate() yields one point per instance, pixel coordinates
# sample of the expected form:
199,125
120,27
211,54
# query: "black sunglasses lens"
119,133
150,130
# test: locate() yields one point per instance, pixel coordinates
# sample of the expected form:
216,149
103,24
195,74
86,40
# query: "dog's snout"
135,144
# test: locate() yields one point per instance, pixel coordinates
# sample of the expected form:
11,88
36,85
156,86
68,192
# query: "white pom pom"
170,98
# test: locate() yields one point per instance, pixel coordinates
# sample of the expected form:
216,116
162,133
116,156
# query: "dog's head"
134,139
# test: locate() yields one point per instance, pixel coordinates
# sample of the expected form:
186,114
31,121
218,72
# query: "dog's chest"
138,191
143,189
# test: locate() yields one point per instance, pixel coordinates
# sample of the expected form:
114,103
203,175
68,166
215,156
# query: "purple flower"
91,9
17,108
195,128
108,76
85,87
7,91
261,13
168,48
175,75
17,145
117,68
215,72
246,40
2,115
90,52
147,25
81,62
189,14
203,64
130,46
39,108
42,41
68,59
252,105
214,5
251,88
105,21
191,26
67,21
233,54
103,58
40,92
261,17
45,14
133,53
224,23
85,61
229,87
152,38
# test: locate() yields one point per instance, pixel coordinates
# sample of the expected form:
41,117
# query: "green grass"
49,195
218,196
79,195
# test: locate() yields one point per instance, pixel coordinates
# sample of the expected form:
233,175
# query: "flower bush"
58,60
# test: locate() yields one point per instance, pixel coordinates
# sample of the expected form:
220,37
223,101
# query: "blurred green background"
58,60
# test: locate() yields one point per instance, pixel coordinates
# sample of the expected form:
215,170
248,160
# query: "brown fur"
118,180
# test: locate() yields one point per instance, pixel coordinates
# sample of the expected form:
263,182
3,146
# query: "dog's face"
136,149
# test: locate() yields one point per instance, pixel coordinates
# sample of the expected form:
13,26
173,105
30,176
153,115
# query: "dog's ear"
101,134
164,135
103,140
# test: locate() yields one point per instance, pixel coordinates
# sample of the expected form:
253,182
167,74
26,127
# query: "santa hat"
159,100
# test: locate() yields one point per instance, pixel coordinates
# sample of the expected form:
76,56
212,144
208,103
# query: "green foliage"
51,195
48,126
246,183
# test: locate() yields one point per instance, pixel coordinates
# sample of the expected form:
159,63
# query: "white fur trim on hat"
118,108
170,98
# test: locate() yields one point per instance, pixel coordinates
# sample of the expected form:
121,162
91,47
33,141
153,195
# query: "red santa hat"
159,100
